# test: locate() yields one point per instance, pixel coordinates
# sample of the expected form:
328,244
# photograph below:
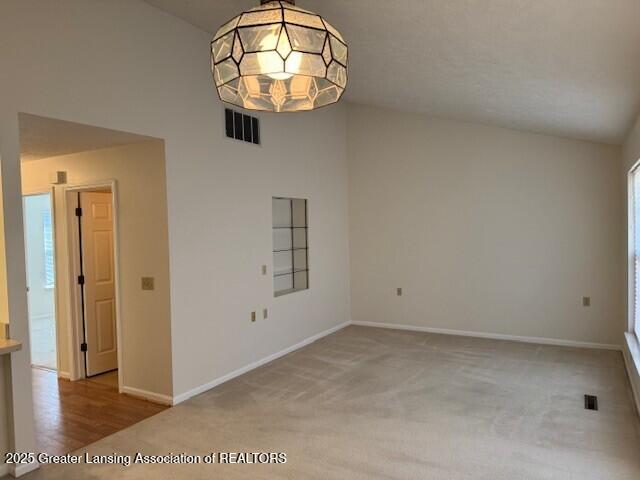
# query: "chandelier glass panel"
279,58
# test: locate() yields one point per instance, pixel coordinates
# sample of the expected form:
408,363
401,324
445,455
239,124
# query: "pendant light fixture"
279,58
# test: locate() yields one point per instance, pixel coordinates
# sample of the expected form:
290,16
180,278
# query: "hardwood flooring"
71,415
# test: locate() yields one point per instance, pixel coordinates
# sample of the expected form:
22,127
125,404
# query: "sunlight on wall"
4,319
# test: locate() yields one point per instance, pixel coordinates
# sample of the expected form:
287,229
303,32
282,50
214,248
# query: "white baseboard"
218,381
631,353
20,470
64,375
494,336
146,395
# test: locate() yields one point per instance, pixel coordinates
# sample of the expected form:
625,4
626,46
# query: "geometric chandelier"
279,58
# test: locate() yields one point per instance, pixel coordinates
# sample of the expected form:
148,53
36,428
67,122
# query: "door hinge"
81,280
83,347
78,212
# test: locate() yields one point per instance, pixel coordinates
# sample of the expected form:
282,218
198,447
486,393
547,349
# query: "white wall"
139,170
4,361
631,155
123,65
486,229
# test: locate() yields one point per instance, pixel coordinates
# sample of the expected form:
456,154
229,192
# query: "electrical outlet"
148,283
586,301
253,316
399,292
265,313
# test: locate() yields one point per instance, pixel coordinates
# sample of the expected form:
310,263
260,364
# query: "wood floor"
71,415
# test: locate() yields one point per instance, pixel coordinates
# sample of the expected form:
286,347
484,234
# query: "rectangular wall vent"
590,402
242,127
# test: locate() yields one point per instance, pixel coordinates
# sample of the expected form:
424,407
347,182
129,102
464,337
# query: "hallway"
71,415
43,342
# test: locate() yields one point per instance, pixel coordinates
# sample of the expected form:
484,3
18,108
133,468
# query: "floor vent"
590,402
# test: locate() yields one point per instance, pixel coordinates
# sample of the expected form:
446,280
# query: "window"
634,248
49,270
290,248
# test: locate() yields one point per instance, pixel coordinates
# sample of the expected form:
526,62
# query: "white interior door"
99,282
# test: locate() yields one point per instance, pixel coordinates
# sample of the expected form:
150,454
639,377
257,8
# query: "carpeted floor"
369,403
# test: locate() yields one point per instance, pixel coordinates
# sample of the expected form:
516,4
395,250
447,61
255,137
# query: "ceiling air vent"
242,127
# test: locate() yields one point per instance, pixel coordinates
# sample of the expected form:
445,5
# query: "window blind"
49,264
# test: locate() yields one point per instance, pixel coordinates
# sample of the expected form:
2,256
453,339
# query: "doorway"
95,259
41,281
108,190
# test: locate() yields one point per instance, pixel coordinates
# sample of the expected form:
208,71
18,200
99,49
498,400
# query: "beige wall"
151,76
476,206
486,229
139,170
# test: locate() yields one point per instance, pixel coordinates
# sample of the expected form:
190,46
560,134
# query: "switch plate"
253,316
586,301
399,292
265,313
148,283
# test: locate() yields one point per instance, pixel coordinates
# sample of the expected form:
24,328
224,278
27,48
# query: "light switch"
399,292
265,313
148,283
586,301
264,269
253,316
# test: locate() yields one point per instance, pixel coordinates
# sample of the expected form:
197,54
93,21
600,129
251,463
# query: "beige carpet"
368,403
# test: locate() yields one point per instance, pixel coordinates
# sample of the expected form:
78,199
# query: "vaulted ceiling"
561,67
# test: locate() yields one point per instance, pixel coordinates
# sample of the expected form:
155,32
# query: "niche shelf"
290,246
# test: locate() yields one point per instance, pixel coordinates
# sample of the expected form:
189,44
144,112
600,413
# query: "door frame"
75,300
51,191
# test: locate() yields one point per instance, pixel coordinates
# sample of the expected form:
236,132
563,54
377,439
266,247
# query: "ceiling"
561,67
42,137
